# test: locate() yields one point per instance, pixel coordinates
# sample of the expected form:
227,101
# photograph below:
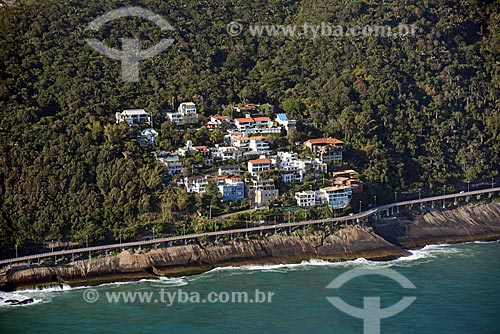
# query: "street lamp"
395,196
153,233
360,206
375,200
468,186
492,183
16,251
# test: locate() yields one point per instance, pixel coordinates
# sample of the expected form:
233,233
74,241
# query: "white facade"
225,153
134,116
336,197
306,198
258,144
172,162
255,167
196,184
187,109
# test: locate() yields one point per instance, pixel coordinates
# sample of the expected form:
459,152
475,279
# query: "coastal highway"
275,227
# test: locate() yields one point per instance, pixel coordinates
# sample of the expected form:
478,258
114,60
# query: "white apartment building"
134,116
255,167
196,184
172,162
336,197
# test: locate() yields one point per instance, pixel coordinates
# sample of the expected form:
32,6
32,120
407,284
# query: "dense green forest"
416,111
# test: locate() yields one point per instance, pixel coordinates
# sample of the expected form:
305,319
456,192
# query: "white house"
225,153
219,119
234,170
244,124
258,143
172,163
196,184
255,167
148,136
283,120
306,198
134,116
335,197
263,122
187,109
186,113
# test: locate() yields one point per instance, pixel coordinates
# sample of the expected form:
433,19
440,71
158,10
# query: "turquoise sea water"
458,291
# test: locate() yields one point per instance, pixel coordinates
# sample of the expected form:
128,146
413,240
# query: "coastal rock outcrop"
467,223
347,243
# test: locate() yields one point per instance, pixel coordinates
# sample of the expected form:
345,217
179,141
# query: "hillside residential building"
255,167
244,124
225,153
288,124
349,178
217,121
233,170
231,188
196,184
186,113
326,149
306,198
337,197
171,162
259,144
294,169
261,192
134,116
148,136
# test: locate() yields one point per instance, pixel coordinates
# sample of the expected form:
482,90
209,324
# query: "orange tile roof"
220,117
257,138
262,119
241,138
330,141
260,161
245,120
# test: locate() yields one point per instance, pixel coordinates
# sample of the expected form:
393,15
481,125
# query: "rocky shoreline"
389,239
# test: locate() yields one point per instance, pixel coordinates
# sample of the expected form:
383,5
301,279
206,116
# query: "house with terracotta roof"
258,144
256,166
263,122
244,123
326,149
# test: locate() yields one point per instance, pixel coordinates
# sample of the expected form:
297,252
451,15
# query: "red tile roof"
220,117
262,119
244,120
260,161
257,138
241,138
330,141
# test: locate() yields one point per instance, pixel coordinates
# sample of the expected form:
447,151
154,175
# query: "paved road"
246,230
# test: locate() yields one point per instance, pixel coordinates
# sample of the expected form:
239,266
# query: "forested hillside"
416,111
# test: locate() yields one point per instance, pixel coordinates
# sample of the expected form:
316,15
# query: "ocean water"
457,290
